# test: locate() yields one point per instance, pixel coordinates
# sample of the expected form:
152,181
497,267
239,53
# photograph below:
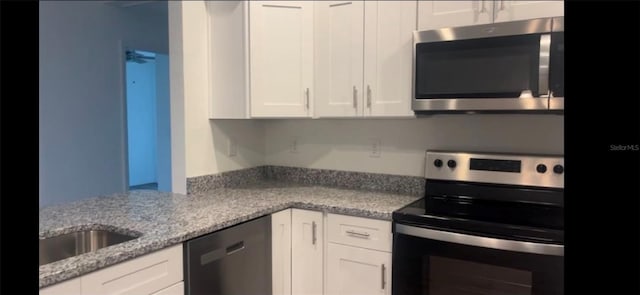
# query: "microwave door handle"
543,70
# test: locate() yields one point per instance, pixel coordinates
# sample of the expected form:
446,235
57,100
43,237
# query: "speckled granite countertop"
166,219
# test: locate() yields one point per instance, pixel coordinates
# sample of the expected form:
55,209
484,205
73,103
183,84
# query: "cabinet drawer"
143,275
360,232
71,287
177,289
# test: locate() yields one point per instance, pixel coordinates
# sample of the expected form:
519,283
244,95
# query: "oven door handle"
492,243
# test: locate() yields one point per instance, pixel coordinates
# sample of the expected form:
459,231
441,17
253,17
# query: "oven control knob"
558,169
437,163
451,163
541,168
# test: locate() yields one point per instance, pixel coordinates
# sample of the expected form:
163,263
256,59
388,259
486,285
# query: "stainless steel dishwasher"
232,261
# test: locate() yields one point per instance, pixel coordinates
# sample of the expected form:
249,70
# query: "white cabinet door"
307,247
281,58
177,289
339,46
70,287
357,271
388,52
281,252
442,14
519,10
144,275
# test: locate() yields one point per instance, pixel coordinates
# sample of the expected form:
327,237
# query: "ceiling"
158,7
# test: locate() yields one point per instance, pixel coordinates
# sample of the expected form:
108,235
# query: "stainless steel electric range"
488,224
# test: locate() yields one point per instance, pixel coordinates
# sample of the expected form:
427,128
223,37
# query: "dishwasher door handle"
220,253
237,247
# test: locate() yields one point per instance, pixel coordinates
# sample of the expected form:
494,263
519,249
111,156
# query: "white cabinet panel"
339,46
143,275
360,232
177,289
520,10
228,59
307,250
70,287
442,14
388,57
281,57
281,252
357,271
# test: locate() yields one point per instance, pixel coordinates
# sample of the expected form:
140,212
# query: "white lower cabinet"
177,289
332,254
357,271
307,243
157,273
358,256
70,287
281,252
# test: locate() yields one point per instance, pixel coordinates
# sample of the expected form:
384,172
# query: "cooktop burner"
495,195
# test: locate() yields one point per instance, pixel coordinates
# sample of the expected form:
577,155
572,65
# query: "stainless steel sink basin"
76,243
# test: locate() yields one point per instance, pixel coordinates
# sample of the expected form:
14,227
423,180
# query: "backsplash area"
348,144
407,185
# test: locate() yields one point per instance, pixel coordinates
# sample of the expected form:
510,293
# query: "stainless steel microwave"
510,66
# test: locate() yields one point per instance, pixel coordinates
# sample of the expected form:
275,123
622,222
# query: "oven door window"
499,67
430,267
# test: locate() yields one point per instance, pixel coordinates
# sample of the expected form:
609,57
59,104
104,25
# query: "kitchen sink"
72,244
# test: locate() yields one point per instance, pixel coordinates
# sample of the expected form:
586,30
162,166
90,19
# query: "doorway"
148,125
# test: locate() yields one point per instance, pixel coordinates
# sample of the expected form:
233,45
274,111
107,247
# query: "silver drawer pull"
368,96
355,97
384,283
313,233
358,234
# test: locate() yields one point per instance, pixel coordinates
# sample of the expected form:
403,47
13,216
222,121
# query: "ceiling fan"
138,57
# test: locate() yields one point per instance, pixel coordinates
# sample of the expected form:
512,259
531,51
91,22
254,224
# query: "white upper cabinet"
442,14
388,57
339,63
281,58
228,59
519,10
364,58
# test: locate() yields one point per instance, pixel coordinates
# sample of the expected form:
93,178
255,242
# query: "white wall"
206,140
81,120
163,144
346,144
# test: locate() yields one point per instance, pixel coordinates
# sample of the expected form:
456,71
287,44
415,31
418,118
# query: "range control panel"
530,170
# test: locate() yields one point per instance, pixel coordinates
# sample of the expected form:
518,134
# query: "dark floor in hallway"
150,186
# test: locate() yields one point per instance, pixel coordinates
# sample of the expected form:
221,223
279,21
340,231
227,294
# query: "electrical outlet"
293,147
232,148
376,148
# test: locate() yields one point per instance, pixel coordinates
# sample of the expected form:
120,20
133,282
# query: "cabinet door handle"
313,233
483,9
307,96
384,283
355,97
368,96
357,234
